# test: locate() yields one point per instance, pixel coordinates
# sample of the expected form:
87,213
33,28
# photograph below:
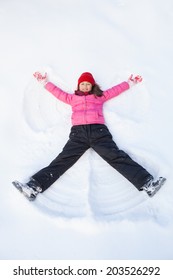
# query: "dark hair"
96,90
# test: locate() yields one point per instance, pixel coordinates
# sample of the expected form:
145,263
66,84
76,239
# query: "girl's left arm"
116,90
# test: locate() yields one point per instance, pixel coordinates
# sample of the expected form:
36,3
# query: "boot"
151,187
29,190
32,189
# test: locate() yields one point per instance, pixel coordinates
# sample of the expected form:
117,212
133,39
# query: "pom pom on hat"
86,77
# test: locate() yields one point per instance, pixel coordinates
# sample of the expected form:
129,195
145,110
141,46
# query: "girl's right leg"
71,152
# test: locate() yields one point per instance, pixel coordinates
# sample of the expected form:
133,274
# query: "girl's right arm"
57,92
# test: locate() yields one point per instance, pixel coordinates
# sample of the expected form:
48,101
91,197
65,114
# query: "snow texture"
91,212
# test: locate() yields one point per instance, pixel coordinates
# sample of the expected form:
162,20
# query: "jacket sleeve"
116,90
58,93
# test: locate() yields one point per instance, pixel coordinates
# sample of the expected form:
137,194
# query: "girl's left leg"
104,145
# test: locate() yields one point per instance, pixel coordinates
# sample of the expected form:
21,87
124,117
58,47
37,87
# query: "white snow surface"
91,212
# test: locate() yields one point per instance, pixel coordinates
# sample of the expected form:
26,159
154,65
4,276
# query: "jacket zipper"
85,107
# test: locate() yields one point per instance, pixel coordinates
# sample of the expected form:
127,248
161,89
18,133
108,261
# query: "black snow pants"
97,137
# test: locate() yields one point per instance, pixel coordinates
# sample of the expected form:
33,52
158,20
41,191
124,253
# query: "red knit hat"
86,77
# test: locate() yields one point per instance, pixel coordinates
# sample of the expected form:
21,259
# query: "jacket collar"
81,93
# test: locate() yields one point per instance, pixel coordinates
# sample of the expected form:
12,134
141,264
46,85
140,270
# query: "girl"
89,131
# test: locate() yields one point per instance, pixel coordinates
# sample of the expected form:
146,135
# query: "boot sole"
158,188
19,186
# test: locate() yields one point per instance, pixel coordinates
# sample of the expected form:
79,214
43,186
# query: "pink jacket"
87,109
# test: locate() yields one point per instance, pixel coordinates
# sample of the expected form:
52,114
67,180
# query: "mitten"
134,80
41,78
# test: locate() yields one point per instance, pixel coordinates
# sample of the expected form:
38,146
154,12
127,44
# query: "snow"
91,212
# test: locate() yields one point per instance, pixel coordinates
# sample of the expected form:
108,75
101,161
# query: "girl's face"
85,86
